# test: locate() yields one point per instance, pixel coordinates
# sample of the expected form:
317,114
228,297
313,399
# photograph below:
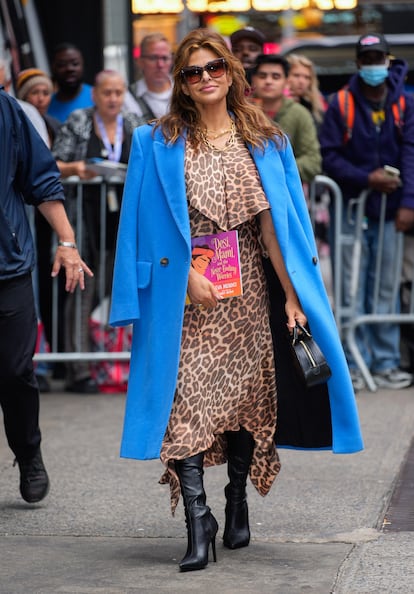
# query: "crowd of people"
217,136
318,128
357,154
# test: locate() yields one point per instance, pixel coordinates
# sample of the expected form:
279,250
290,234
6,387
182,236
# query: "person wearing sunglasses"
202,386
149,97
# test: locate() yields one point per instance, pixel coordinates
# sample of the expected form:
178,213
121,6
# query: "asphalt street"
106,527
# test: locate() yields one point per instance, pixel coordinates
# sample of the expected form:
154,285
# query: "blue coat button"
164,261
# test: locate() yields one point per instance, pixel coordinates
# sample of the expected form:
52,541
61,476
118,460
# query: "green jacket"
296,121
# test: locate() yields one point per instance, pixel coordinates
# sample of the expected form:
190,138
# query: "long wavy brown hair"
312,95
251,123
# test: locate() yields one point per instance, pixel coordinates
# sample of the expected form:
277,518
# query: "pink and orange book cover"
217,257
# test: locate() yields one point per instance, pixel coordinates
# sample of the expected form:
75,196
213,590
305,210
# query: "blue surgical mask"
374,75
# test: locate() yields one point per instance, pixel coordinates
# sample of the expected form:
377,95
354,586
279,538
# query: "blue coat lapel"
169,162
271,174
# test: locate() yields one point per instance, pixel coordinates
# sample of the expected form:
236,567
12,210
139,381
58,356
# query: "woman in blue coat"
202,387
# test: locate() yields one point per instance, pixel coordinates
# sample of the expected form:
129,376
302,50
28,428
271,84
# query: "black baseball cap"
372,42
248,33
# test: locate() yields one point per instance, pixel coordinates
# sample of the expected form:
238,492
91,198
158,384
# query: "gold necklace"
228,144
213,135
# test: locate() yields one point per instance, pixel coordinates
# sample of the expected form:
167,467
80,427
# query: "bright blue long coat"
150,282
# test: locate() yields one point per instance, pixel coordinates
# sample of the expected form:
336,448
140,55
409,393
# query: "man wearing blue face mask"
367,126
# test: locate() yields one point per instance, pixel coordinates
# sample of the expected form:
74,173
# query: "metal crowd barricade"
347,318
394,315
320,184
55,355
345,315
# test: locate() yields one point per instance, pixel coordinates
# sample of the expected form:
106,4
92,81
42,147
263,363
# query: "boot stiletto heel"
202,527
239,452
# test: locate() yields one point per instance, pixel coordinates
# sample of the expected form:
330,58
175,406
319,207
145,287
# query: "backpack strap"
398,110
347,110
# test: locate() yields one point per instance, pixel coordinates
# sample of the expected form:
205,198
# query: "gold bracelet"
68,244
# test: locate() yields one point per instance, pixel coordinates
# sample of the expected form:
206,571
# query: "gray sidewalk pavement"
106,527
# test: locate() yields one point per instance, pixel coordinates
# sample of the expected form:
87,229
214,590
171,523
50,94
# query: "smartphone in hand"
393,171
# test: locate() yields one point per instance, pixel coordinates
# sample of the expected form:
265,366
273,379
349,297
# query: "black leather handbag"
309,360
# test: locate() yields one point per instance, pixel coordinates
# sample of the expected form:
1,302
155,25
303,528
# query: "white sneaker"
395,379
358,381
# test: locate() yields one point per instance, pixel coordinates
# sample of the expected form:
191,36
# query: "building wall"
79,22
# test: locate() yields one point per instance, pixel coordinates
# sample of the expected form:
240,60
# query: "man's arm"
404,220
334,159
38,180
66,256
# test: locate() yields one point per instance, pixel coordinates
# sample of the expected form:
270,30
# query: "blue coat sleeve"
295,187
302,264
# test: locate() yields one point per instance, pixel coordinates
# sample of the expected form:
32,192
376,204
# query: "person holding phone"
379,148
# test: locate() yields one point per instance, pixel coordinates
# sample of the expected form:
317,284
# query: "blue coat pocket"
144,270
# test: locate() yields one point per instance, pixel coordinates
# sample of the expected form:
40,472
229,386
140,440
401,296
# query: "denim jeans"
379,344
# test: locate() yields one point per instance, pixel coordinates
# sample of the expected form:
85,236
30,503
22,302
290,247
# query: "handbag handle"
296,333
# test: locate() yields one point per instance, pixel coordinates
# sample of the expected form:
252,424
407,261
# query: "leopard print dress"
226,376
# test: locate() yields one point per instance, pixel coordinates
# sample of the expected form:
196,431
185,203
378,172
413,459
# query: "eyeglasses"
155,58
215,69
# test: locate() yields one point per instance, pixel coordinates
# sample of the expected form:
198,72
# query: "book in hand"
217,257
106,168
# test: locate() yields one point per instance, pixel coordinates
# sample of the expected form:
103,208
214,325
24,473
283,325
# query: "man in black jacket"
28,175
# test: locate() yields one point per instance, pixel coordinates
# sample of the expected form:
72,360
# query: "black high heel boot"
201,524
240,445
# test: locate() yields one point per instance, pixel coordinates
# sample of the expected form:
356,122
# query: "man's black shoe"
84,386
34,482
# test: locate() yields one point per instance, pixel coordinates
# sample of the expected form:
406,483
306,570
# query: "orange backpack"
346,104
